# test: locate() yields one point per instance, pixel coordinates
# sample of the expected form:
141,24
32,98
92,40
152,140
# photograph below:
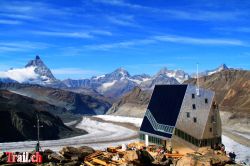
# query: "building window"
206,100
194,107
210,129
195,120
188,114
193,95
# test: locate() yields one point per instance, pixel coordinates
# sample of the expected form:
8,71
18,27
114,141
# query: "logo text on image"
24,157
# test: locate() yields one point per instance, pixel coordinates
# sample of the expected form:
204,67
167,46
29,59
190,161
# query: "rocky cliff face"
232,89
133,104
72,102
18,118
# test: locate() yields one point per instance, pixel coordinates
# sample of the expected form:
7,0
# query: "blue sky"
81,38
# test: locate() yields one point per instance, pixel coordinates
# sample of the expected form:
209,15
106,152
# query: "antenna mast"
197,80
38,147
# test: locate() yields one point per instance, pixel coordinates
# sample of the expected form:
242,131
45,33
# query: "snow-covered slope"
210,72
113,84
119,82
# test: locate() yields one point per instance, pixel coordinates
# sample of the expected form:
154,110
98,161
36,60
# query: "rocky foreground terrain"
71,156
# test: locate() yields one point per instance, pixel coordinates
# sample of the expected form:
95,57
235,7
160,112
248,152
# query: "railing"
157,126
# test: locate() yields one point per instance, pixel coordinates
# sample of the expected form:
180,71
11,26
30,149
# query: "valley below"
108,130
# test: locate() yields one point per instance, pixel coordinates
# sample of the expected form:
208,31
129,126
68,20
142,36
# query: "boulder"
130,155
205,158
144,157
76,153
72,163
54,157
85,150
46,154
48,151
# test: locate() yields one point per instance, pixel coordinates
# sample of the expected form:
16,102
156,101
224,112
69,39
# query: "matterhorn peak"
223,67
37,62
41,69
37,57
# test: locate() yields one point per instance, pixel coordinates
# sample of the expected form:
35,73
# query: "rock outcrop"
18,116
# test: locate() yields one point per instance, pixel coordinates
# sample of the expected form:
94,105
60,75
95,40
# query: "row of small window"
193,96
197,142
151,139
165,128
188,116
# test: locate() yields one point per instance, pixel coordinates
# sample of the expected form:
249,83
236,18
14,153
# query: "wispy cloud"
124,44
233,29
201,15
169,39
123,20
75,71
32,10
33,7
200,41
190,14
17,16
21,46
9,22
122,4
64,34
77,34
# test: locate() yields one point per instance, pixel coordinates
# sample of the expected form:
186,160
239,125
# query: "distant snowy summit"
210,72
35,72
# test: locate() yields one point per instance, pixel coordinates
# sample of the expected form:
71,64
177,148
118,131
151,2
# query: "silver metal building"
182,112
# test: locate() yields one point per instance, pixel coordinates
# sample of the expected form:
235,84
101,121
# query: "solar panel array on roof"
163,110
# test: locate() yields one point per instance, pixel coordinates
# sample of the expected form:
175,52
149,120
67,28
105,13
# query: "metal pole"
197,79
38,130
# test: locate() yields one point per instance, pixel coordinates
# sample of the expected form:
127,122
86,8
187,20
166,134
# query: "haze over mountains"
113,85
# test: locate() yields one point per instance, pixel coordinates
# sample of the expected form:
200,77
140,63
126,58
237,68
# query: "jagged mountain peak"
41,69
179,75
121,70
223,67
37,57
120,73
36,62
163,70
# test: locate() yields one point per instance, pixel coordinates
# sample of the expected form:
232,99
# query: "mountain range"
112,85
231,87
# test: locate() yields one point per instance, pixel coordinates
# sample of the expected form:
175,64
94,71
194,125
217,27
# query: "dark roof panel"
165,105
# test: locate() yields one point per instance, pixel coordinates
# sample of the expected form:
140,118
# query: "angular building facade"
182,112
